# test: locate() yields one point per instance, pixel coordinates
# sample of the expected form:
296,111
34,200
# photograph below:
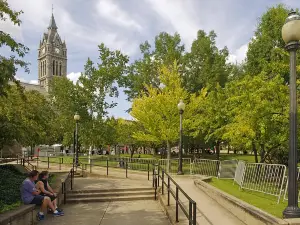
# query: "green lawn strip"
263,201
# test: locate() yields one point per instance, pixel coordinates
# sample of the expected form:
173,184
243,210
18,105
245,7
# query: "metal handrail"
191,213
70,178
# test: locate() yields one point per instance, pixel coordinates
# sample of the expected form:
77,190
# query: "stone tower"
52,56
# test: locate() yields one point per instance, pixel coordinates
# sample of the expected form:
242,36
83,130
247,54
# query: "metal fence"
227,169
206,167
171,165
238,176
264,178
285,196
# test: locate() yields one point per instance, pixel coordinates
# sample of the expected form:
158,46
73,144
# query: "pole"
74,147
292,210
76,144
180,172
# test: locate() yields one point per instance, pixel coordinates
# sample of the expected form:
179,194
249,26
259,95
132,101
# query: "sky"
125,24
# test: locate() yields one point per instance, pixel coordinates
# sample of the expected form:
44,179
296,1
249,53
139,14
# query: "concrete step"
110,194
109,199
100,191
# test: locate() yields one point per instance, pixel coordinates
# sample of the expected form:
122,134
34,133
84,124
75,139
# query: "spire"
52,24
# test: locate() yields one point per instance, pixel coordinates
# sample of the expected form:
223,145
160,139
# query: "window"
41,69
56,68
45,66
53,69
60,69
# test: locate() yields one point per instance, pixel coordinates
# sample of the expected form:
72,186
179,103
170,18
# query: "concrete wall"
24,215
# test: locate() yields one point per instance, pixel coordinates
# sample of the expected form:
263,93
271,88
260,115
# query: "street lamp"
181,107
291,36
76,118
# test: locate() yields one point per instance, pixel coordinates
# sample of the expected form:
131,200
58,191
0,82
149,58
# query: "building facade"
52,56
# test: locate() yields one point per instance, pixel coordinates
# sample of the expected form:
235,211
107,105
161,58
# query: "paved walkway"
209,212
142,212
111,213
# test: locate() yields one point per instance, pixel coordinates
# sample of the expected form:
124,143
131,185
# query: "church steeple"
52,24
52,56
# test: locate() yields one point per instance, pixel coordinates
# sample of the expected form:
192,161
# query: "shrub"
10,183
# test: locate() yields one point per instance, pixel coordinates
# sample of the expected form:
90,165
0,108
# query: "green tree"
26,118
205,65
157,111
266,52
258,108
9,65
145,71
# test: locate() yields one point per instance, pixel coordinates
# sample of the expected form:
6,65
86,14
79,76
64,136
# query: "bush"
10,183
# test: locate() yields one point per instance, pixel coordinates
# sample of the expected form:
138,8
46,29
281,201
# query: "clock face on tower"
57,50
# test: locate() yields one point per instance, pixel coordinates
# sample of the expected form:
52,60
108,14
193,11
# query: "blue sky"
124,24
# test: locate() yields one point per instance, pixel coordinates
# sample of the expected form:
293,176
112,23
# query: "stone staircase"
107,195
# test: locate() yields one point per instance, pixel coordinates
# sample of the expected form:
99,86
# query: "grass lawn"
265,202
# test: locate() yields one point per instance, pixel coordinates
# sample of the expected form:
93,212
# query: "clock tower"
52,56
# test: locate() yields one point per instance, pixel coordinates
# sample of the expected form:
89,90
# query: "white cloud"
180,14
239,55
34,82
113,13
21,79
74,76
14,30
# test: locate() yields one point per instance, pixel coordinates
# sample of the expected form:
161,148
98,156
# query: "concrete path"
142,212
111,213
209,212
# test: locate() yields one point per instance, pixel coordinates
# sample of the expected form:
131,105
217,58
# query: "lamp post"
76,118
181,107
291,36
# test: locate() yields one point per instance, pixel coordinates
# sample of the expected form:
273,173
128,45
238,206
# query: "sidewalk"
110,213
208,210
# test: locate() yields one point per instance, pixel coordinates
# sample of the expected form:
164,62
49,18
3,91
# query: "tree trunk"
218,150
168,156
262,153
132,151
255,151
228,148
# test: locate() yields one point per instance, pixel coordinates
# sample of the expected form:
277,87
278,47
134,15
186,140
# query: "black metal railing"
68,184
117,164
24,161
166,181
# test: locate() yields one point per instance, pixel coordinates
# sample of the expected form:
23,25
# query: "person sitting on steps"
43,186
30,195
